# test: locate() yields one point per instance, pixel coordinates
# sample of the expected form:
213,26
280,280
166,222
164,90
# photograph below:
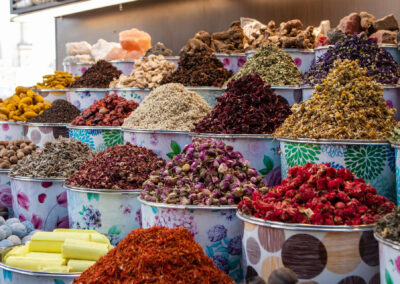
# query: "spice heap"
147,73
13,232
379,63
319,195
389,226
23,105
247,107
168,107
108,111
159,49
156,255
396,134
99,75
207,172
60,111
348,105
199,70
13,151
119,167
59,159
273,65
58,80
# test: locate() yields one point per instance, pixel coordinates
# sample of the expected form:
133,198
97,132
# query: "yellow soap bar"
93,235
59,236
45,246
46,255
17,251
78,249
31,263
56,269
77,265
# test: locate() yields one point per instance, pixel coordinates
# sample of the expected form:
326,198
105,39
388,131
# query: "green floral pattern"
365,161
301,154
113,137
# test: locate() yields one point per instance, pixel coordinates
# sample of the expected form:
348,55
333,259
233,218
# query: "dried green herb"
389,226
396,134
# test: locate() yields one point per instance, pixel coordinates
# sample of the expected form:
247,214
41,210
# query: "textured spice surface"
199,69
247,107
159,49
319,195
396,133
13,151
389,226
118,167
58,159
58,80
155,255
60,111
169,107
99,75
348,105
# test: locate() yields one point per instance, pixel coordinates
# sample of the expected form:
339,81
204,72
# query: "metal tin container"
307,92
125,66
393,50
5,190
40,133
172,59
43,201
324,254
215,228
97,137
291,94
77,69
374,161
320,51
165,143
389,260
83,98
51,95
262,151
396,147
114,213
232,61
135,94
11,130
303,58
209,94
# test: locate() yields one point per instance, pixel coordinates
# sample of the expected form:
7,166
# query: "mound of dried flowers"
319,195
396,133
348,105
389,226
207,172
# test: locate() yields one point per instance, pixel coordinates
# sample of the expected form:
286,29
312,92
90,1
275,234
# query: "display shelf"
44,6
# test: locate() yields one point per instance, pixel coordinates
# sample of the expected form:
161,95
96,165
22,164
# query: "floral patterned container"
51,95
209,94
172,59
97,137
303,58
83,98
77,68
215,228
43,201
292,95
396,147
374,161
125,66
321,50
5,190
262,151
113,213
324,254
393,50
11,130
134,94
41,133
389,259
165,143
232,61
307,92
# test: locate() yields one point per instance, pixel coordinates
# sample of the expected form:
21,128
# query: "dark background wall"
173,22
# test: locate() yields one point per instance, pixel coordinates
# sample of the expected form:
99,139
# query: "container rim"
276,87
102,191
205,88
35,179
388,45
150,131
229,54
305,50
78,63
189,207
36,273
5,170
121,61
385,86
303,227
324,47
85,127
88,89
11,122
389,243
130,89
171,57
333,141
221,135
49,90
49,124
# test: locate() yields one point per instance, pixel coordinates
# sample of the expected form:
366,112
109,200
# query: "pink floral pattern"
6,197
125,209
42,197
62,222
37,221
23,200
226,62
46,184
298,62
5,127
241,61
154,140
21,218
62,199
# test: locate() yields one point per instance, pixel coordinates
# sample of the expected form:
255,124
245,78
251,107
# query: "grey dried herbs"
389,226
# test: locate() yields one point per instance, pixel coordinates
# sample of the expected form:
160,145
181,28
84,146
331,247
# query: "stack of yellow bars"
61,251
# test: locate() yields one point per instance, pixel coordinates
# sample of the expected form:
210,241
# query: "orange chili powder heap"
155,255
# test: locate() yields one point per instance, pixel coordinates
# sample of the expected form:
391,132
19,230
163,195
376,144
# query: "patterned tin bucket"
11,130
292,95
165,143
134,94
216,229
389,259
303,58
393,50
125,66
321,50
97,137
324,254
40,133
83,98
209,94
374,161
172,59
262,151
43,201
5,190
51,95
232,61
114,213
77,68
396,147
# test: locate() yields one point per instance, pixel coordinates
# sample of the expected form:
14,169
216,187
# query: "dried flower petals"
389,226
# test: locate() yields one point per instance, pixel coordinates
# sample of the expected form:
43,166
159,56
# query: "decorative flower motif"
235,246
91,216
301,154
63,222
113,137
5,127
217,233
138,217
6,197
83,70
241,61
221,262
133,138
37,221
397,263
23,200
172,218
42,197
333,150
365,161
21,218
391,158
226,62
46,184
62,199
154,140
254,147
125,209
297,61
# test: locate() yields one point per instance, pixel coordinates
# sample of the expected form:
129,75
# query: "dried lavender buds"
389,226
207,172
57,159
119,167
348,105
13,151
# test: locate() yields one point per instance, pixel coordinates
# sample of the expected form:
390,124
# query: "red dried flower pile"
319,195
108,111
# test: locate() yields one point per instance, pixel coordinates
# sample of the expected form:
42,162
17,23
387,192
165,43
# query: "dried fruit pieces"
58,80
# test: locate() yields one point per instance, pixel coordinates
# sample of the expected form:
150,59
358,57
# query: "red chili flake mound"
319,195
108,111
119,167
155,255
247,107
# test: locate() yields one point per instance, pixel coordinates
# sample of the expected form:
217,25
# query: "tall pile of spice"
58,80
207,172
58,159
119,167
389,226
60,111
199,70
396,133
319,195
379,63
13,151
99,75
348,105
156,255
247,107
273,65
168,107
